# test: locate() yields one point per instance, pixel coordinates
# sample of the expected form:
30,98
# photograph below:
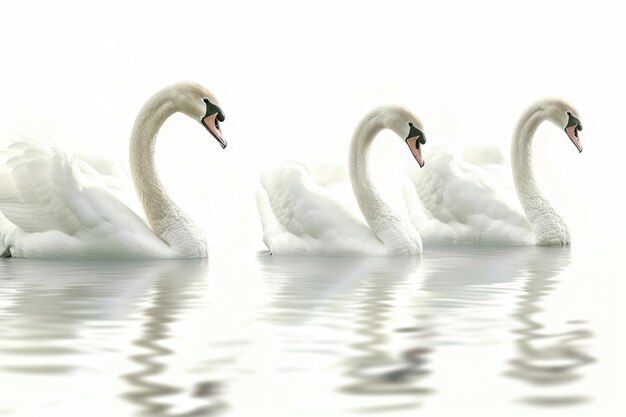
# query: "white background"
294,78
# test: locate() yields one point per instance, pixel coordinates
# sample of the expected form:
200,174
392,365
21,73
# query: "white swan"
53,204
301,217
468,197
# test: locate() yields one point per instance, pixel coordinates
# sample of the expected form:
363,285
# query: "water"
513,331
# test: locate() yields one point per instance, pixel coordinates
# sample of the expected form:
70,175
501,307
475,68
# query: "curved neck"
167,220
397,234
547,224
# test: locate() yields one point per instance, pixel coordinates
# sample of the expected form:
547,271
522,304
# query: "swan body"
54,204
468,195
301,216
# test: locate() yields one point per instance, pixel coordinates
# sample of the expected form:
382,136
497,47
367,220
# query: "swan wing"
467,196
58,205
301,216
111,175
37,184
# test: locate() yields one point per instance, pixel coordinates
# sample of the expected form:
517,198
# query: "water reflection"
360,299
168,295
386,367
385,321
466,291
547,358
327,335
69,317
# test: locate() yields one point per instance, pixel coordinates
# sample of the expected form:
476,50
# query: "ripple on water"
326,336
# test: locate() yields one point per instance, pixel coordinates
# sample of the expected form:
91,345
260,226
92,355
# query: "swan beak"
416,149
212,125
572,134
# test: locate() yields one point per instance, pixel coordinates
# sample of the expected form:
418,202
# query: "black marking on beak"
212,109
415,132
573,121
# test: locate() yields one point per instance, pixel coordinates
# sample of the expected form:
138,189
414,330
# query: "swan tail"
6,253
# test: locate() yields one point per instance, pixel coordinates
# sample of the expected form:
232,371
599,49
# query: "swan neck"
521,154
167,220
547,224
397,234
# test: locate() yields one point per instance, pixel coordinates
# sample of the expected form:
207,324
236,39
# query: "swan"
300,216
466,196
53,204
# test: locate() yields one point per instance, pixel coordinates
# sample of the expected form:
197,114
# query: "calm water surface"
516,331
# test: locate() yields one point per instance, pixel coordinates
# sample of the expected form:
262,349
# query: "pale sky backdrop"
295,77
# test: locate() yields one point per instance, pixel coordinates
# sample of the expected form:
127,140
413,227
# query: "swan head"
409,127
200,104
565,116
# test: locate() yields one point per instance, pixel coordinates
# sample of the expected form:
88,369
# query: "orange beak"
572,134
416,149
211,124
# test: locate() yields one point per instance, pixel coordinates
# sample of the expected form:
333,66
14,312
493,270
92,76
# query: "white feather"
465,200
301,216
53,209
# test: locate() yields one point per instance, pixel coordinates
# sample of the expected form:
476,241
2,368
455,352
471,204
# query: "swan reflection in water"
548,359
385,321
345,310
166,338
169,295
73,318
469,285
